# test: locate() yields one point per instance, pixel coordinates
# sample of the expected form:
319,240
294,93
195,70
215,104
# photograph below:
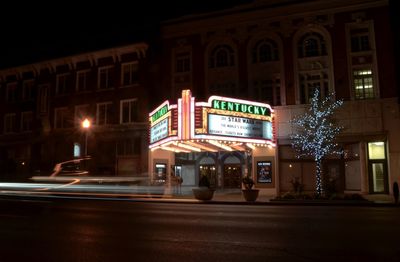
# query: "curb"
183,200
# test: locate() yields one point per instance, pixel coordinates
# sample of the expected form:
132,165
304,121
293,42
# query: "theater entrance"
232,175
211,172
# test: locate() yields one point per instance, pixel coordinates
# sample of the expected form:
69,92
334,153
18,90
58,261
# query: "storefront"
223,138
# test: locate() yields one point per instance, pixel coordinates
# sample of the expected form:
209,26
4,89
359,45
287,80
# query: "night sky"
36,32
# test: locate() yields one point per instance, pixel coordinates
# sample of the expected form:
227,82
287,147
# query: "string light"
316,132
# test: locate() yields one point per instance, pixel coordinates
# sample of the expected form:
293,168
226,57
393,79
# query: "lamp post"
86,125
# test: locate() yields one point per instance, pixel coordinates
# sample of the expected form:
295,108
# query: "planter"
250,194
203,193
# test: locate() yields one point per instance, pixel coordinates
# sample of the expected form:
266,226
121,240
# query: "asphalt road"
121,230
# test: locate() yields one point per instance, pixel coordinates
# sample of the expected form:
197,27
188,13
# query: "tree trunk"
319,177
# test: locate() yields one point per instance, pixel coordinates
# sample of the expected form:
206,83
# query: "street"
47,229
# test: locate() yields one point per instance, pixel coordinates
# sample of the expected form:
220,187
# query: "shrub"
248,182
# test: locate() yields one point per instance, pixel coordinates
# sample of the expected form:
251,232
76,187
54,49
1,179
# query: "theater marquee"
222,123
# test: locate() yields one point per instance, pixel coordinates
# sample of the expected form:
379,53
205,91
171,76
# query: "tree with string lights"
316,132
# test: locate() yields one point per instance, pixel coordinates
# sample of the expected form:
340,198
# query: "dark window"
265,50
222,56
311,44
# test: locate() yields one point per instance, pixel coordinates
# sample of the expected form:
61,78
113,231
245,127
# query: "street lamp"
86,125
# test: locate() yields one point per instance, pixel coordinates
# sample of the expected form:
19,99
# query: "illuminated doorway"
232,175
377,168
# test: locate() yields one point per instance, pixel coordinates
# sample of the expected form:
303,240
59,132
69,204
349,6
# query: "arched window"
265,50
311,44
222,56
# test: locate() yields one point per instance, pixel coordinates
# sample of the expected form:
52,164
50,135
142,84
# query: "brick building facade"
278,52
44,104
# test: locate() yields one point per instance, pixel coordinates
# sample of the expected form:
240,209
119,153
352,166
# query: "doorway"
377,168
232,175
211,172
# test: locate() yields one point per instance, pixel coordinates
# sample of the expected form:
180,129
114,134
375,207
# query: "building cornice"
71,61
262,12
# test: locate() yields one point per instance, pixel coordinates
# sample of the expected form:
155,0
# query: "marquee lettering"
240,107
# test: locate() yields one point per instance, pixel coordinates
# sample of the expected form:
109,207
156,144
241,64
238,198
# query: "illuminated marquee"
210,126
239,127
161,124
159,131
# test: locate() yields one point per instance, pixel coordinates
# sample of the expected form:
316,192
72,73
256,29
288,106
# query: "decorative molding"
71,61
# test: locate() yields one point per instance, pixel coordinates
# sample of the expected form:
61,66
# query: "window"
360,40
81,112
82,80
28,90
105,78
61,118
310,82
129,74
311,45
43,99
182,62
77,150
222,56
104,113
362,60
363,84
265,50
11,92
129,146
223,89
129,111
267,91
10,123
26,121
62,83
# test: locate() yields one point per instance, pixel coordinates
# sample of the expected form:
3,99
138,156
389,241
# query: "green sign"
240,107
160,112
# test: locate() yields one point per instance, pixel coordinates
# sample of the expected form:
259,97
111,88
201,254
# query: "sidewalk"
234,196
168,194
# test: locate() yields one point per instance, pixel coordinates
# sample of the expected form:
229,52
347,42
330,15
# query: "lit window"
376,150
77,150
363,84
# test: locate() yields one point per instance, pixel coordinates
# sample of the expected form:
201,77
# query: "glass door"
232,175
211,172
377,168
